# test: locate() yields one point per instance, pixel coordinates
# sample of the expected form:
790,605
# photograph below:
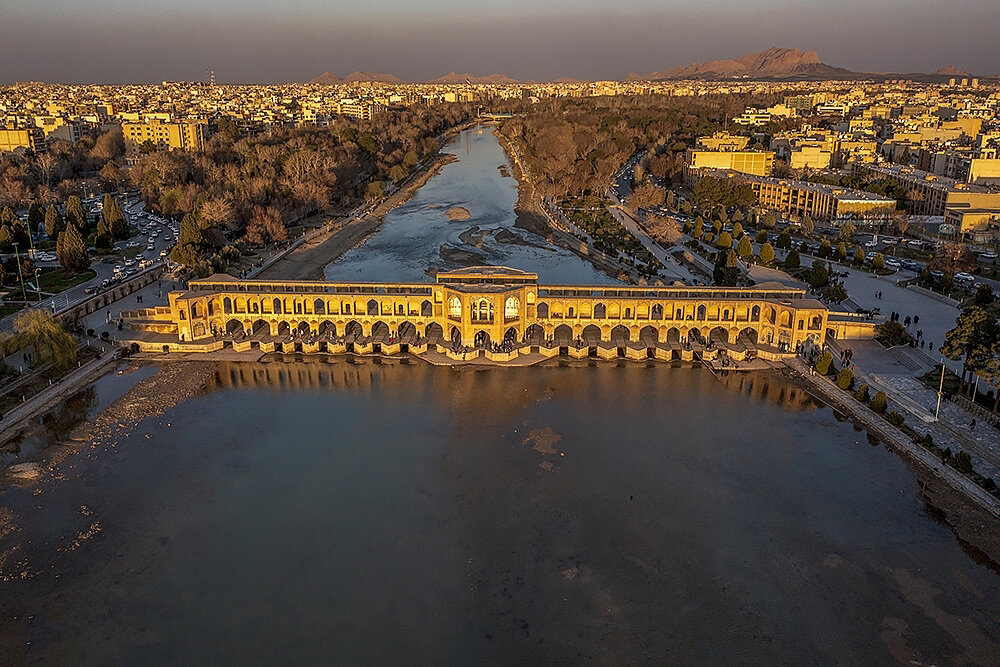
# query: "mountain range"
775,64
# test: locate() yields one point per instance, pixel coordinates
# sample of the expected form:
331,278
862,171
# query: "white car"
962,276
894,263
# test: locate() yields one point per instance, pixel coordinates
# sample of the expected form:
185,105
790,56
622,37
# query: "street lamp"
38,285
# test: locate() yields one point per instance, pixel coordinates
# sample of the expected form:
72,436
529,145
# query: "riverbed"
383,513
418,237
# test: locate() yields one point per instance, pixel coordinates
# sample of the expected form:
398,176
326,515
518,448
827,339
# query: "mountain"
950,71
326,79
568,79
355,77
453,77
775,63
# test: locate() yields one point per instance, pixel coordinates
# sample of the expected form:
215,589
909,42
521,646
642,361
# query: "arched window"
511,308
755,314
194,310
319,307
277,306
455,307
656,312
600,311
543,309
346,307
372,307
701,312
227,305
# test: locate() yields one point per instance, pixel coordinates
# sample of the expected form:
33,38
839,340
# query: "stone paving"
917,402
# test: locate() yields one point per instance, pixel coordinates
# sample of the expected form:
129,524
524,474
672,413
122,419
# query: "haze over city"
124,41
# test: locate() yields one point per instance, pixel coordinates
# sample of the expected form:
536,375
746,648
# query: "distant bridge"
495,116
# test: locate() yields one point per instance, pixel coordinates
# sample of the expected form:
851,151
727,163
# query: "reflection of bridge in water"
493,312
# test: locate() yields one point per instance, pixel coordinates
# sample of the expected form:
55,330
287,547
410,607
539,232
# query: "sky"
270,41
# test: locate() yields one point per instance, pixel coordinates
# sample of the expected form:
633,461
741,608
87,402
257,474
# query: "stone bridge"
494,309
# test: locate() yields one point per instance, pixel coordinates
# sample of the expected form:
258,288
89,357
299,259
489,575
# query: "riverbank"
532,217
308,260
949,496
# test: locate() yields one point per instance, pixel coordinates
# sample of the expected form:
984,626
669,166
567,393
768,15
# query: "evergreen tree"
737,230
878,263
698,227
784,240
825,248
725,241
36,215
6,239
189,233
114,216
807,224
847,232
766,254
841,252
726,270
859,256
792,260
75,214
745,249
7,216
819,276
53,222
71,250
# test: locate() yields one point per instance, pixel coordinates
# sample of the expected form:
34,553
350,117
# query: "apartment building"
20,140
164,136
758,163
817,200
930,194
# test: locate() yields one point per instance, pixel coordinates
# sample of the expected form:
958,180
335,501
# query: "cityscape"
382,368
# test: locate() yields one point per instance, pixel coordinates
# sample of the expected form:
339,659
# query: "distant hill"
453,77
775,63
328,79
950,71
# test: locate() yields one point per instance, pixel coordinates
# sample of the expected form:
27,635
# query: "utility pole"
20,273
937,410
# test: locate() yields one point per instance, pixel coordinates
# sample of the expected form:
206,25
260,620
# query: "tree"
109,145
971,340
859,256
841,253
818,276
807,224
784,240
114,216
726,271
836,293
847,232
862,394
671,200
825,248
745,249
110,173
37,328
725,241
738,230
699,227
878,262
75,214
891,334
645,196
189,233
880,402
71,250
769,220
792,260
845,379
53,222
265,225
823,363
374,192
761,237
963,463
397,173
766,254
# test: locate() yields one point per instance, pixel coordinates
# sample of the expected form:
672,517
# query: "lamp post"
38,284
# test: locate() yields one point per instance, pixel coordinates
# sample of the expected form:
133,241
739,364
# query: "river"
409,241
306,512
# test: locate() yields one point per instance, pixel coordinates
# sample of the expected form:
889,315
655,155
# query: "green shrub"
845,379
880,402
963,463
895,418
862,394
989,484
823,364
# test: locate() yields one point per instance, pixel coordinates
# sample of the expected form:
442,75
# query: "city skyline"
253,43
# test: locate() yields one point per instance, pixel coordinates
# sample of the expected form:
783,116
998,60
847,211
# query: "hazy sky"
110,41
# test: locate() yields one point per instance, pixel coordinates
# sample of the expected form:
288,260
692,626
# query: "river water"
364,513
409,241
354,511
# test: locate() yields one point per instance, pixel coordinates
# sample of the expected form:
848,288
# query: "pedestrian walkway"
916,400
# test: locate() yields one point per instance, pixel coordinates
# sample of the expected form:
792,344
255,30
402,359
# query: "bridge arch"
719,335
591,335
234,327
434,333
563,335
620,335
649,336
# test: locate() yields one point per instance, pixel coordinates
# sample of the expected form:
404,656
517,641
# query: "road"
135,214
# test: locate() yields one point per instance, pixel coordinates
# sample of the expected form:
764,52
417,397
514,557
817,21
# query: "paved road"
105,270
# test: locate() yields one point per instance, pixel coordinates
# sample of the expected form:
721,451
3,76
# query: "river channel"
410,239
361,513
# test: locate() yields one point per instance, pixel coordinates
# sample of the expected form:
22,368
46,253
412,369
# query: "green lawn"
53,281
